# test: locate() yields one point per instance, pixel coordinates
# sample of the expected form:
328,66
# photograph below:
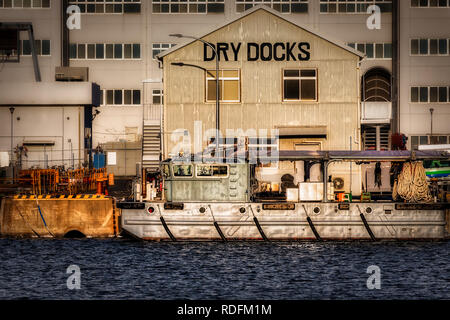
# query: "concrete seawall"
90,217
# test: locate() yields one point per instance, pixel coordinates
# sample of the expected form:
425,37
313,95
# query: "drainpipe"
431,123
64,34
12,136
395,97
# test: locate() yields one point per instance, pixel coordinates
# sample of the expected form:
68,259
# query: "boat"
224,199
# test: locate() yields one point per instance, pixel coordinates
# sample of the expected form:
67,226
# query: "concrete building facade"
404,75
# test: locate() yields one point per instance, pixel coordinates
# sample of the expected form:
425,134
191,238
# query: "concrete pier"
81,216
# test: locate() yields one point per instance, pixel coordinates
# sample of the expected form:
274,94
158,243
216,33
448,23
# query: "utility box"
311,191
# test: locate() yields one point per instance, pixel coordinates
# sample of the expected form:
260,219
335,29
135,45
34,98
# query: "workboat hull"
284,221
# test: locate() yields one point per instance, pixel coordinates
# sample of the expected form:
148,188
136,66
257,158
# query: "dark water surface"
128,269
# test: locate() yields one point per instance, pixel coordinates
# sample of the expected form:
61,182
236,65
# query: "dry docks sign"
266,51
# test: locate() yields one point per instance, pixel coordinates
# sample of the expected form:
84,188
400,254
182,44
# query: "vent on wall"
72,74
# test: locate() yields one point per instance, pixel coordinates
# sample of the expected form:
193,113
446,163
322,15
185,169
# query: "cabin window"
300,85
212,171
182,170
229,85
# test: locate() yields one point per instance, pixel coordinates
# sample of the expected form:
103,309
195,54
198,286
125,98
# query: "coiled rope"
412,184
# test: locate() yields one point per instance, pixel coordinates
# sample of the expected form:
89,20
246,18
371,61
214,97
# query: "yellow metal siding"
261,105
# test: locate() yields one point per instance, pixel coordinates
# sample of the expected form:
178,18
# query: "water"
127,269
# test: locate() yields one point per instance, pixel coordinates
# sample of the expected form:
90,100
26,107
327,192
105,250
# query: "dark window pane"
308,73
73,51
118,97
369,50
443,46
127,51
26,48
423,43
109,51
118,51
308,89
91,51
127,97
81,51
433,94
442,94
414,46
46,47
414,142
414,94
291,90
433,46
99,51
136,51
136,96
291,73
109,96
216,7
423,94
387,50
379,50
132,8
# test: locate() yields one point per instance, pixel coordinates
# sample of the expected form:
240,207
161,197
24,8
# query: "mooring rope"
412,184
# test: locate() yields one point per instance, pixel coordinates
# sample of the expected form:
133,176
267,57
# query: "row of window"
202,170
42,47
102,6
298,85
353,6
187,6
284,6
31,4
157,48
105,51
374,50
430,94
120,97
416,141
430,3
425,47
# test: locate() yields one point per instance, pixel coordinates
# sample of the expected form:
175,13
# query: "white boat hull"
330,221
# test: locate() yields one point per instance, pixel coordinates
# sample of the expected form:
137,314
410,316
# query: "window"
300,85
157,48
429,3
430,94
102,51
429,46
25,4
42,47
374,50
182,170
229,85
205,170
108,6
283,6
353,6
188,6
416,141
157,96
122,97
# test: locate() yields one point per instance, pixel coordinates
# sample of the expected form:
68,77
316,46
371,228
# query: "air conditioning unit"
338,183
80,74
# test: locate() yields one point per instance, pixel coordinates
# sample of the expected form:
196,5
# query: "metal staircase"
151,140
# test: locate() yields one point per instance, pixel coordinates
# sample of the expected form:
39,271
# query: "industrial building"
404,83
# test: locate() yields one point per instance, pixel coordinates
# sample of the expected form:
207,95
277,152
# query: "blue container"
99,160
